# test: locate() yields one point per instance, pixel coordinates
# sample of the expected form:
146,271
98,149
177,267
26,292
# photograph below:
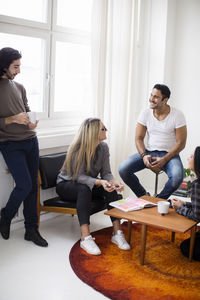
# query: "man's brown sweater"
12,102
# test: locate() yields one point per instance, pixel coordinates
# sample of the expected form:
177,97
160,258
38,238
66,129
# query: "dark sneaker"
4,227
35,237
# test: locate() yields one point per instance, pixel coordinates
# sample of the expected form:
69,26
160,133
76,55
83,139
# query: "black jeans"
81,194
185,247
22,159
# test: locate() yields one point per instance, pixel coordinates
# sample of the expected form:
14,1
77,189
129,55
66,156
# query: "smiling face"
102,134
156,100
13,70
191,162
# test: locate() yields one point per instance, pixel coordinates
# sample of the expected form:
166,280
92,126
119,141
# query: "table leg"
129,231
143,243
192,240
173,236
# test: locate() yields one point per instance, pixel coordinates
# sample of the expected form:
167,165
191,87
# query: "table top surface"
150,216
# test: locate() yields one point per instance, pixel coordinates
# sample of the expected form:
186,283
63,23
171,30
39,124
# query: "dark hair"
165,91
7,56
197,162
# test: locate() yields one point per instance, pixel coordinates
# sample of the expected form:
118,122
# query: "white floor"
29,272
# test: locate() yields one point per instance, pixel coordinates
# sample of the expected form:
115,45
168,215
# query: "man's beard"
9,75
151,103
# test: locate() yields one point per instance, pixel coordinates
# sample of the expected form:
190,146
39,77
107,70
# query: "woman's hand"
176,203
107,185
111,185
117,185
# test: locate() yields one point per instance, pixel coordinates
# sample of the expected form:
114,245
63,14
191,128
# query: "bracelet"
143,154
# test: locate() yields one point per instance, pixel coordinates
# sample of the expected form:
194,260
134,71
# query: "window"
29,10
54,39
77,14
72,76
32,70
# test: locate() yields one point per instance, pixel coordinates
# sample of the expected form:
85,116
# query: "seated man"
166,132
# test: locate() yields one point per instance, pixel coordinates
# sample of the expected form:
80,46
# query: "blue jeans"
22,159
173,169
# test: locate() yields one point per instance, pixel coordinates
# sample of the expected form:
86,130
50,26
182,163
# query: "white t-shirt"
161,134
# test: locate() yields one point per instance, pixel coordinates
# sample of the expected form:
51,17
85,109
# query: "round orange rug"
117,274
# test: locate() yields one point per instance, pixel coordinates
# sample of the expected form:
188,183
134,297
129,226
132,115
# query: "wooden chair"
49,167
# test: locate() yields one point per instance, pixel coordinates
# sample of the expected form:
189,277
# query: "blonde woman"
85,175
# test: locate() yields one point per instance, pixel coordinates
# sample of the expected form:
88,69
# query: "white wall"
185,69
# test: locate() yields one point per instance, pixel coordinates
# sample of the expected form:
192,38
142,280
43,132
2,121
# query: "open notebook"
131,203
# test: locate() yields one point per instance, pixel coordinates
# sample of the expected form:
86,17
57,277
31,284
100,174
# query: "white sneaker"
120,241
89,245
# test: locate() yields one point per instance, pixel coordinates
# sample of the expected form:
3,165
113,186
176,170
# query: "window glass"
32,66
30,10
75,14
72,77
68,71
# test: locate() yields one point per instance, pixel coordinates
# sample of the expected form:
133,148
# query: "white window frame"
19,30
70,31
30,23
51,123
70,35
68,39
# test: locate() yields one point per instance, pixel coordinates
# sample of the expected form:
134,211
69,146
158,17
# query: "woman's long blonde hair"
83,147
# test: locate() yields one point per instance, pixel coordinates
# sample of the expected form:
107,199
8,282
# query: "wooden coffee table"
150,216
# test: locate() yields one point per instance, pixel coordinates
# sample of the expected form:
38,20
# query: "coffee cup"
32,116
163,207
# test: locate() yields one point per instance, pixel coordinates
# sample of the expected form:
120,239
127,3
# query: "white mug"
32,116
163,207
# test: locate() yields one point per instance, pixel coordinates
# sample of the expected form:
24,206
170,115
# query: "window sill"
55,137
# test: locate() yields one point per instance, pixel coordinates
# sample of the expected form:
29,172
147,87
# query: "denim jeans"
22,159
173,169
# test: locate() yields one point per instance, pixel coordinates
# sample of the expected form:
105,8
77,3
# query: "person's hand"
118,186
158,162
147,161
21,118
33,125
154,163
107,185
176,203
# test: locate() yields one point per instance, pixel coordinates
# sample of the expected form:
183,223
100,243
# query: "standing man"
19,147
166,132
